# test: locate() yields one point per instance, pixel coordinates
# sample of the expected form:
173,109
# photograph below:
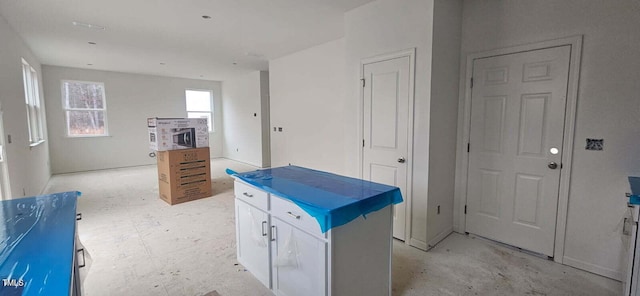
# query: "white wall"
307,101
131,99
608,107
447,26
315,97
381,27
265,108
245,120
28,166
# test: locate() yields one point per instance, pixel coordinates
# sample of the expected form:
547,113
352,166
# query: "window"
85,107
199,105
32,98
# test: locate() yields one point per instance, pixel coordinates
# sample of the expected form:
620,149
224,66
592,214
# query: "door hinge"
471,82
465,209
363,82
468,147
362,142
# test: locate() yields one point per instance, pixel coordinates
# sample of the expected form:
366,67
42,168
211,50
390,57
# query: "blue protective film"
634,183
37,240
331,199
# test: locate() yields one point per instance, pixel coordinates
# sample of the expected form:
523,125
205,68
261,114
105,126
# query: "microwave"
185,137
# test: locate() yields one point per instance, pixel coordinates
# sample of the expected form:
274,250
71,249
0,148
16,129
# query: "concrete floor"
139,245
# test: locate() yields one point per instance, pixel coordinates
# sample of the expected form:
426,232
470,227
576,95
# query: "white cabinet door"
252,240
299,261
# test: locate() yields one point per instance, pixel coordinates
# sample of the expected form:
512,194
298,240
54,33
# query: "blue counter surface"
37,244
634,183
331,199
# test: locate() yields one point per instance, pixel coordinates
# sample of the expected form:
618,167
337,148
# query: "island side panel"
360,255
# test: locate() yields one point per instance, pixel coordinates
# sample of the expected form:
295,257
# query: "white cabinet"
252,240
284,247
299,261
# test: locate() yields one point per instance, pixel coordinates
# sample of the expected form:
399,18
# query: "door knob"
553,165
401,160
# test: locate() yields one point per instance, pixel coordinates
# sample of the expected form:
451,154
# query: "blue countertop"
37,244
634,183
333,200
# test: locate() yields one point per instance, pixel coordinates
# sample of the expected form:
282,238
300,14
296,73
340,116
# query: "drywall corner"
266,118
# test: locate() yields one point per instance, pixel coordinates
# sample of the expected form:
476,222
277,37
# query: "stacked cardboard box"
177,133
184,175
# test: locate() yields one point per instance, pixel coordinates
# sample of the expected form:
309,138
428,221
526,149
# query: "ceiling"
171,37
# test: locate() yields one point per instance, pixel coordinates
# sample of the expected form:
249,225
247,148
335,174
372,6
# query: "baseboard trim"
418,244
439,237
240,161
457,228
593,268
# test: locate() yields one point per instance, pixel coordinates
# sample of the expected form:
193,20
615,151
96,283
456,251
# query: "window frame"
211,111
65,109
33,102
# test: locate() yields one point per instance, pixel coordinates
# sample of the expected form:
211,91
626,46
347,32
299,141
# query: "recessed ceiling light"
235,63
163,64
206,17
92,43
89,64
88,26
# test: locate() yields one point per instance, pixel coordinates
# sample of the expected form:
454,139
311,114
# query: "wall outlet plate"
595,144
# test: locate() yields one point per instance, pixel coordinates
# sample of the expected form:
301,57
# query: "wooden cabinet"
283,247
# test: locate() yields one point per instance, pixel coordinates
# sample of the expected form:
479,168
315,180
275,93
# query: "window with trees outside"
199,105
32,98
85,108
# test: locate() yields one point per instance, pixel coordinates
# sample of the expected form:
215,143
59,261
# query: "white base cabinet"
252,240
284,248
299,264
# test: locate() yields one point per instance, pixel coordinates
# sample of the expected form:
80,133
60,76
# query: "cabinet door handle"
78,216
273,232
84,260
264,231
247,194
294,215
625,231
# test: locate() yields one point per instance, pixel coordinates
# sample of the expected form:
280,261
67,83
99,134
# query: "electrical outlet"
595,144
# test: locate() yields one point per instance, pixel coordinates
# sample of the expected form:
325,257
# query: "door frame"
411,54
5,182
464,127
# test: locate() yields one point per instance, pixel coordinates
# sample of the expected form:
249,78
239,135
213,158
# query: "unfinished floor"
139,245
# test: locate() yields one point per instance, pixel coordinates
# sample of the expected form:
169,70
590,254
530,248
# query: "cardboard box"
184,175
177,133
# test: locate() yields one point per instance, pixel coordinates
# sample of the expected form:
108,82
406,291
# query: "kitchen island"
306,232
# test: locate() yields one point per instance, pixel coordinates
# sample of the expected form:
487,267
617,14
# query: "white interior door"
386,129
517,122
